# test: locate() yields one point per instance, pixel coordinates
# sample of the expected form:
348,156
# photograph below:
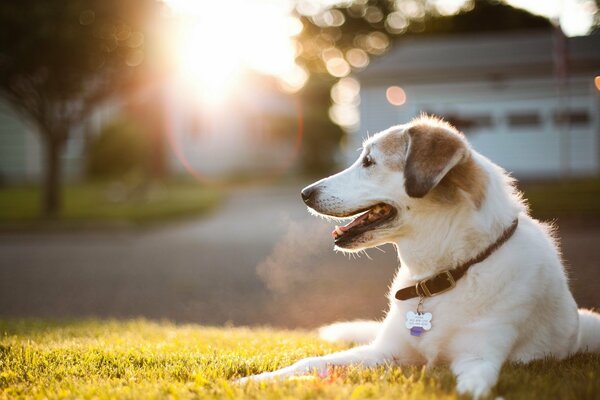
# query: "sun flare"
216,42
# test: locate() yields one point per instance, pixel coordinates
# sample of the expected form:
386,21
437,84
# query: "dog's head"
401,171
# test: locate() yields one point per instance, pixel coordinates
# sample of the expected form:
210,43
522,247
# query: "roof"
470,57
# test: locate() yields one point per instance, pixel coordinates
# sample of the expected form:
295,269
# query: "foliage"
121,147
320,136
98,204
371,26
60,59
141,359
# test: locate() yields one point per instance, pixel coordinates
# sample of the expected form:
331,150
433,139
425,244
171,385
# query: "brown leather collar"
446,280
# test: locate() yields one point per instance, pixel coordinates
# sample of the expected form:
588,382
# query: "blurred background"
152,152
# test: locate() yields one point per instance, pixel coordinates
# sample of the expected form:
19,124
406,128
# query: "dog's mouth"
367,220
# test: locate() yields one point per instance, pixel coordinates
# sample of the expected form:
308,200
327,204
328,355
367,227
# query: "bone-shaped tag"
418,322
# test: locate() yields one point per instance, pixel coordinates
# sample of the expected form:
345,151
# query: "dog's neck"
444,238
446,246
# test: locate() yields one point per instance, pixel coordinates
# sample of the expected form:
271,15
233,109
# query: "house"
22,153
528,100
200,140
241,136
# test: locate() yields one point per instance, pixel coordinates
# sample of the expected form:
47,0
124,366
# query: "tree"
355,31
60,59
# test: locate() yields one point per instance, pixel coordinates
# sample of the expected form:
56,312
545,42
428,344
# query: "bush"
320,143
119,149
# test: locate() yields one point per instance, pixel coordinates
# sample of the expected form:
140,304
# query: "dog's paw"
473,386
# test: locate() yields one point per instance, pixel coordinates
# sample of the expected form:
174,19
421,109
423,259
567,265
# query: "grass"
141,359
564,199
101,203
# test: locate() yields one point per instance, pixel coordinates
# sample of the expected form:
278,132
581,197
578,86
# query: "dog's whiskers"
367,254
379,248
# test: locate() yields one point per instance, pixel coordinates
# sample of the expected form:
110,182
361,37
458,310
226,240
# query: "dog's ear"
432,152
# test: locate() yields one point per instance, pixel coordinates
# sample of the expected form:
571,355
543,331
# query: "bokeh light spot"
346,98
395,95
136,39
134,58
396,23
294,81
346,116
377,42
330,53
373,14
412,8
597,82
329,18
358,58
338,67
87,17
449,7
346,91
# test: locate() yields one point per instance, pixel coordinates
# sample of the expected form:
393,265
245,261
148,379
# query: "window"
524,120
572,117
470,123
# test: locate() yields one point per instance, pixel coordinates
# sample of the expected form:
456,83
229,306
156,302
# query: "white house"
234,138
530,101
213,142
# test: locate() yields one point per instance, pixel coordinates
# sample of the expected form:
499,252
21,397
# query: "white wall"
544,150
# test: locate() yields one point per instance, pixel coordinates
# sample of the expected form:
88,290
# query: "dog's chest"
438,327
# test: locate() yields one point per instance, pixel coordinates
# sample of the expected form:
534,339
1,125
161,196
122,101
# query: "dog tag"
418,322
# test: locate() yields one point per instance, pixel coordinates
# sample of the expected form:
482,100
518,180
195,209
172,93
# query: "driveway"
260,259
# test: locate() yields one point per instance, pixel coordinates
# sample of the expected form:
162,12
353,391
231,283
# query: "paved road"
261,259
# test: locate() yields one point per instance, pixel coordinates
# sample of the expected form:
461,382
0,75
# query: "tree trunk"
52,185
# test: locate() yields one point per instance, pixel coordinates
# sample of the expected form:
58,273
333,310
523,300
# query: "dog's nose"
308,194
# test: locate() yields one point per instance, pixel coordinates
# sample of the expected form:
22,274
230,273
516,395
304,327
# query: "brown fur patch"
466,176
393,147
434,145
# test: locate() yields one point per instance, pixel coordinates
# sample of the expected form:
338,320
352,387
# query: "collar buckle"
440,283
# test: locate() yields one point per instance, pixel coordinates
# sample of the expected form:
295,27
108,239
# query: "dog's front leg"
367,356
478,358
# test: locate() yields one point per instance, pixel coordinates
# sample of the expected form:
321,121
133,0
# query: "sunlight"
196,58
218,41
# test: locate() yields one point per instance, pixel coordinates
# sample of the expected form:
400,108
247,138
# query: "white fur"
361,332
515,305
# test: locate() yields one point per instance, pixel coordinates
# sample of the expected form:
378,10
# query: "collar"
446,280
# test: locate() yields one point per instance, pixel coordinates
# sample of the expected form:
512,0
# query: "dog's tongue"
340,230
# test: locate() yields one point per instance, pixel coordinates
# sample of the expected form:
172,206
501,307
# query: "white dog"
480,283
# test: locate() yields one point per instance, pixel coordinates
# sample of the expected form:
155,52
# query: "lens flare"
204,179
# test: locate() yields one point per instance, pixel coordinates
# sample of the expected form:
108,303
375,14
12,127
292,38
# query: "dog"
481,282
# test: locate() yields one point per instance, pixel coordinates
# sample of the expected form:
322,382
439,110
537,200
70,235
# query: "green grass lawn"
101,203
141,359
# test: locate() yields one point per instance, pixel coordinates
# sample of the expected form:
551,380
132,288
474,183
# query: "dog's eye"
367,161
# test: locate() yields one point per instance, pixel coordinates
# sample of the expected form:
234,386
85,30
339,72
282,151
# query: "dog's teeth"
337,232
